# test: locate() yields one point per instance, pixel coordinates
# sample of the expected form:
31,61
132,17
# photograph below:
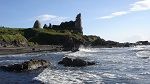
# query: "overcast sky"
118,20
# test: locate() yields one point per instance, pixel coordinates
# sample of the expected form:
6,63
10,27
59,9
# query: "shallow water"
113,66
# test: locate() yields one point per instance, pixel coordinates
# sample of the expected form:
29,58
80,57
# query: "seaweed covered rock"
26,66
75,62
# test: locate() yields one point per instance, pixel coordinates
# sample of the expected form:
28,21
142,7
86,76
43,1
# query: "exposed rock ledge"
75,62
26,66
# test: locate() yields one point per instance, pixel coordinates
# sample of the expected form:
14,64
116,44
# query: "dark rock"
90,63
143,43
144,57
75,49
26,66
33,49
79,62
71,44
50,26
45,26
73,26
37,25
78,23
66,61
75,62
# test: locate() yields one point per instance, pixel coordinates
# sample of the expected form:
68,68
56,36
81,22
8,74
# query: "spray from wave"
87,49
142,51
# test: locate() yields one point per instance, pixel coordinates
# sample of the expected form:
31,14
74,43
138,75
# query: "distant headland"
66,36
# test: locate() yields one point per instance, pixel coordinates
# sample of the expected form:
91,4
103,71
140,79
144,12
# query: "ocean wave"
141,48
68,77
88,49
143,54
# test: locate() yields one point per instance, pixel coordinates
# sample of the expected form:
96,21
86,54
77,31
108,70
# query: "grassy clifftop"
13,36
66,38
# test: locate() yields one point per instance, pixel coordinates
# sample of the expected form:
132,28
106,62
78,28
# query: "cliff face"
78,23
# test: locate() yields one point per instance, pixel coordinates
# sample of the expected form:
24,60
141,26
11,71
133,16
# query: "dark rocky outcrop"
45,26
78,23
50,26
71,44
37,25
142,43
26,66
74,26
75,62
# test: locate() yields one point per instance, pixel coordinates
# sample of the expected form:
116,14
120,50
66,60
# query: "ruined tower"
37,24
78,24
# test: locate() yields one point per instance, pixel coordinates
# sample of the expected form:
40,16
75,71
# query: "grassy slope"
40,36
51,37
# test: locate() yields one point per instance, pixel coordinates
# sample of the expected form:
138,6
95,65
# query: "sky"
117,20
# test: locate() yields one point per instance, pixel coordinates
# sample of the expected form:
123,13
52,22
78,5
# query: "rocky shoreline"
26,66
39,48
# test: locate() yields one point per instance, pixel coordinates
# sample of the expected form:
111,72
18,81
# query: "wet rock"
26,66
75,62
90,63
33,49
144,57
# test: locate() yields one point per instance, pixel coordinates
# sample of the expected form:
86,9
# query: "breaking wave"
113,66
88,49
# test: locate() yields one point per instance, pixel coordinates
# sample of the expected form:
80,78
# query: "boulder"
75,62
26,66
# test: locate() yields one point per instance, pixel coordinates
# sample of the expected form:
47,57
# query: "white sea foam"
113,65
130,76
68,77
141,47
88,49
109,75
143,54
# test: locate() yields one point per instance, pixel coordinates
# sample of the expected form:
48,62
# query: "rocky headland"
68,36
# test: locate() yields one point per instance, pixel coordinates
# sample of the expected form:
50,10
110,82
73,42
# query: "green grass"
12,38
37,36
46,36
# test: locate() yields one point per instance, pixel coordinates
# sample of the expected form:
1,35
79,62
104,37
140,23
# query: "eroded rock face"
26,66
78,23
37,24
75,62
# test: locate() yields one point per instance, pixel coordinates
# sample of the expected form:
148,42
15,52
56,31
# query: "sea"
113,66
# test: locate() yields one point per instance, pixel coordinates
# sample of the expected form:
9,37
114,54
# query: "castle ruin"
75,26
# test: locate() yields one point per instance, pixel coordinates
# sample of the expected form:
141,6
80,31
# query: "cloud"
105,17
46,17
140,5
114,15
51,18
119,13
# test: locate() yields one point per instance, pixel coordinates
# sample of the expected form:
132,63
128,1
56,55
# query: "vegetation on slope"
38,36
66,38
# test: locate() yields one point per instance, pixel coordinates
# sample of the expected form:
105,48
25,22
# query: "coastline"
38,48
